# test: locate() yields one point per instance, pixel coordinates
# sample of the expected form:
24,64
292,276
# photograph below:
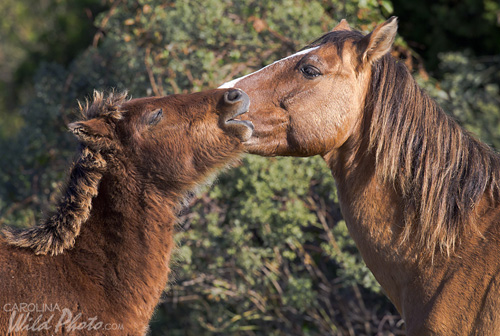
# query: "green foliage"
207,42
264,250
34,32
433,27
253,248
43,30
353,270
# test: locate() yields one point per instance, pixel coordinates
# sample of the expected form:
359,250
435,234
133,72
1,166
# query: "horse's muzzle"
237,103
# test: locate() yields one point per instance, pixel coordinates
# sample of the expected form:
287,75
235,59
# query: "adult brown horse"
420,196
99,264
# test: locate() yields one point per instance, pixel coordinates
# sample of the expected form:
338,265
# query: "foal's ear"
94,132
343,25
379,42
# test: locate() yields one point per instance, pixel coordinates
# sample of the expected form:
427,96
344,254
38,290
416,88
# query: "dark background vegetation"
264,250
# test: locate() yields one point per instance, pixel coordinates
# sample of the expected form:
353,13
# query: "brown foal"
98,265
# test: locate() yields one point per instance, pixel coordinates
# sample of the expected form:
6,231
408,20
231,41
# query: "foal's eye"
155,117
310,71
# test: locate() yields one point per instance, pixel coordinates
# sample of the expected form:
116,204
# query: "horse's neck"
373,217
424,291
129,239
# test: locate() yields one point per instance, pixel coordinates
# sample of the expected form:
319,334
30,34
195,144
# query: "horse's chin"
263,147
242,129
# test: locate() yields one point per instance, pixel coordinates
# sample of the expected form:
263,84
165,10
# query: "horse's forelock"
337,38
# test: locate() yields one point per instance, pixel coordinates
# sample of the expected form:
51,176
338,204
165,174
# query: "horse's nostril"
233,96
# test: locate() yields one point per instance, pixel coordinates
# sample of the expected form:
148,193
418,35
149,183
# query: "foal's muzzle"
236,103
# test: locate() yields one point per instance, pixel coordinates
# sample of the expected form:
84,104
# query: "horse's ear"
343,25
379,42
94,132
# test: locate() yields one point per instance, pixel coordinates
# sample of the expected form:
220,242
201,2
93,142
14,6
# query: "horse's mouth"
247,123
243,129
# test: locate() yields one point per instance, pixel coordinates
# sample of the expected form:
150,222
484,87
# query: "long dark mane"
440,169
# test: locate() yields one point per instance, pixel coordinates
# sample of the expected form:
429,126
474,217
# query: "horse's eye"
309,71
155,117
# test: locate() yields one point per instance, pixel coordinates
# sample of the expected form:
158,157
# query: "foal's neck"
129,237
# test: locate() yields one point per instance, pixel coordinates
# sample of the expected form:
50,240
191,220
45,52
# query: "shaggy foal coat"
98,265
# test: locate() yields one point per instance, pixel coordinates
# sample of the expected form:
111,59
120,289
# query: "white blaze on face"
232,83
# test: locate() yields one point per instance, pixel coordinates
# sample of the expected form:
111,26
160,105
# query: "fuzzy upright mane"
108,107
58,232
441,170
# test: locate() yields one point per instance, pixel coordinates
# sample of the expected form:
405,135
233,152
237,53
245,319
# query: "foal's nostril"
233,96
